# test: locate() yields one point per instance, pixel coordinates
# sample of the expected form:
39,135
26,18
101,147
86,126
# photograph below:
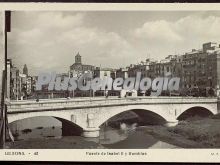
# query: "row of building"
198,69
20,84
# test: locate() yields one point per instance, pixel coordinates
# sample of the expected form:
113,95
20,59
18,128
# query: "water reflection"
109,135
127,136
136,139
38,133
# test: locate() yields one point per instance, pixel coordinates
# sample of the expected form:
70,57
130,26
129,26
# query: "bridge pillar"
91,132
171,123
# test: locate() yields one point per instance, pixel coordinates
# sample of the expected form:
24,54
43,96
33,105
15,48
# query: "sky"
48,41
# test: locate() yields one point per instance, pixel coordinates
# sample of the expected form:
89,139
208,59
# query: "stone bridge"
91,113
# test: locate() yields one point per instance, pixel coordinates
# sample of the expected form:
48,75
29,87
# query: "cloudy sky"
48,41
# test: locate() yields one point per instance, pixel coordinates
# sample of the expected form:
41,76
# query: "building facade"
122,73
200,67
197,69
102,72
77,69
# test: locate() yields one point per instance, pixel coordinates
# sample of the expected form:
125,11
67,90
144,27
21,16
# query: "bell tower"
25,70
78,59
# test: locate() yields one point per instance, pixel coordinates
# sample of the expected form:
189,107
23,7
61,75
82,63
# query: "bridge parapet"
58,104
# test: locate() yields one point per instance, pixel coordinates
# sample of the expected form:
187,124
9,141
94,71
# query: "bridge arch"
202,111
21,116
138,109
59,115
146,116
68,127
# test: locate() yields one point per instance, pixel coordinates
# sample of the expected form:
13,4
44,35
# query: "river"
111,138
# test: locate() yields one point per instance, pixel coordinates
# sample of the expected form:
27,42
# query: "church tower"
78,59
25,70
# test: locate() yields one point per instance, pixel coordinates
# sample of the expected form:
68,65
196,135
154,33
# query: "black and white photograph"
112,80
